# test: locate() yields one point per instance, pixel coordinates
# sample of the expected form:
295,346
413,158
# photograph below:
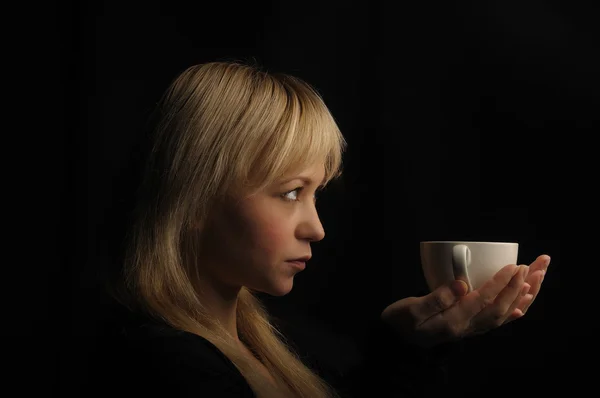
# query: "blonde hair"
223,126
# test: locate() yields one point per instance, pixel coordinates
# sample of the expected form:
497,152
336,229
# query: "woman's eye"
292,195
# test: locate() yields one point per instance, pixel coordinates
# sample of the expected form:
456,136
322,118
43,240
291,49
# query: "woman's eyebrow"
307,180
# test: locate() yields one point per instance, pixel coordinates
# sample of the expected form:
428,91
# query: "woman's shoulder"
157,340
151,357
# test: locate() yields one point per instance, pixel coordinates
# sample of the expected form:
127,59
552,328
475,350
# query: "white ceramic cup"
473,262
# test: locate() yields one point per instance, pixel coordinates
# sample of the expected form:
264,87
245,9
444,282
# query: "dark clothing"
143,357
147,358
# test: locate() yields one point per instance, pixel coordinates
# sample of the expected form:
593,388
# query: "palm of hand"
449,313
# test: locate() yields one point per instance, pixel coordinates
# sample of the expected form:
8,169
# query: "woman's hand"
449,314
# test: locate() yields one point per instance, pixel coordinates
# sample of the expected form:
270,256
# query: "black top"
147,358
152,359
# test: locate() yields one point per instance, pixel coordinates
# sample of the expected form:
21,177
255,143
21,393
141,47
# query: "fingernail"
522,269
547,262
519,312
459,288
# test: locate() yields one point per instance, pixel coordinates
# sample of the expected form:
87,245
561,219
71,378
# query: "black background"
465,121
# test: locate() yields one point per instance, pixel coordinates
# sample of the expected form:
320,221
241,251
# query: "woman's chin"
279,289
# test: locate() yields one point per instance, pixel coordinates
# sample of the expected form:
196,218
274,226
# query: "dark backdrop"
467,121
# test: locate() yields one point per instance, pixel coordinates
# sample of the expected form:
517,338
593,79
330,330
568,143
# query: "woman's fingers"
496,313
477,300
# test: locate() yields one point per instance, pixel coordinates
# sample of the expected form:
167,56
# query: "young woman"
226,209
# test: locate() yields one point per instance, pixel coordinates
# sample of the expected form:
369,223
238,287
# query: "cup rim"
462,242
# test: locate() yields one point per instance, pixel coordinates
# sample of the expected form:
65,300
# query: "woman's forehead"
313,174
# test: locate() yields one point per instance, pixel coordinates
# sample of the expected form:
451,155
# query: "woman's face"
253,241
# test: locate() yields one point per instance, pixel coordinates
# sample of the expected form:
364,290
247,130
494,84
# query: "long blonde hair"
223,125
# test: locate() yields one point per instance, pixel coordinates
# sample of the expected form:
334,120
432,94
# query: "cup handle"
461,259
